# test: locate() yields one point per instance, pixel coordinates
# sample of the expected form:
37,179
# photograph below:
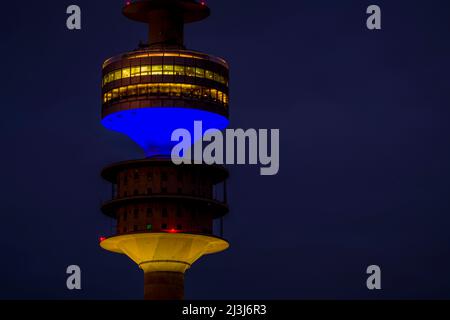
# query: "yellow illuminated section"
174,252
166,89
166,70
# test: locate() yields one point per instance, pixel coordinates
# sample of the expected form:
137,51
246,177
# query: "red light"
173,231
102,239
203,3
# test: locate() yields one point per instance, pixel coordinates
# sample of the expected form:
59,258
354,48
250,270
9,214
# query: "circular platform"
164,251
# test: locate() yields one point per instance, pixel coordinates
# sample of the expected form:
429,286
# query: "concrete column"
163,285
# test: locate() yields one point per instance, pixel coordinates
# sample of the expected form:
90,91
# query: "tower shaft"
166,29
163,285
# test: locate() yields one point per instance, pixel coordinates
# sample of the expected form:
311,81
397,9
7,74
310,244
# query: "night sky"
365,150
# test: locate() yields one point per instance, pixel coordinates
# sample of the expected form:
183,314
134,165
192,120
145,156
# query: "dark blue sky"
365,150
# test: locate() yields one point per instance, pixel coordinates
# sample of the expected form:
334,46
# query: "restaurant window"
135,71
145,70
126,73
123,92
157,70
209,75
190,71
132,90
179,70
199,72
142,89
118,75
168,69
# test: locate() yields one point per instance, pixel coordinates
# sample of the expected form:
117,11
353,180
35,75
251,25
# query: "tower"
164,212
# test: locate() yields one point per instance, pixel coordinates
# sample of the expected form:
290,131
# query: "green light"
149,227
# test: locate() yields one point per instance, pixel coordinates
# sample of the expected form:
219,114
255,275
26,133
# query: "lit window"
176,90
164,88
132,90
199,72
190,71
115,93
126,73
214,94
206,92
187,89
135,71
145,70
142,89
154,88
179,70
197,91
209,75
118,75
168,69
160,70
157,70
172,89
123,92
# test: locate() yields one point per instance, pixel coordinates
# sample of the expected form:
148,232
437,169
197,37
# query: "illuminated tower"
164,212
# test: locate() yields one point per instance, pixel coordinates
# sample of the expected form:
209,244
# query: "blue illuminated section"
152,128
